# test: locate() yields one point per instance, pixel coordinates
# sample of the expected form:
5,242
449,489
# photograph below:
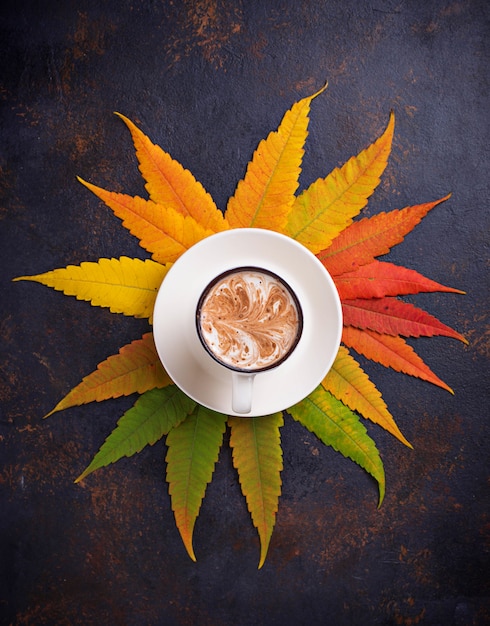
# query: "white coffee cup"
227,387
250,321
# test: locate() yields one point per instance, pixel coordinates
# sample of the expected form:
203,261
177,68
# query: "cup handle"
241,395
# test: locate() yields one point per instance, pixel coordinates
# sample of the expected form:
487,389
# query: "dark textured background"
207,80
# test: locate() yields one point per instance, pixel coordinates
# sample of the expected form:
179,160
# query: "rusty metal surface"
207,80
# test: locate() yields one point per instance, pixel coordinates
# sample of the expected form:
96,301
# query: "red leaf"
394,317
391,352
370,237
379,279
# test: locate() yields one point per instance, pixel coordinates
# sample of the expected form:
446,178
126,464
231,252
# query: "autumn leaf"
135,369
263,199
162,230
378,279
323,210
124,285
257,456
170,185
153,415
391,316
337,426
193,448
373,236
390,351
348,382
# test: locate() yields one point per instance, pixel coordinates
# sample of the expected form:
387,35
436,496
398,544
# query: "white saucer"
174,320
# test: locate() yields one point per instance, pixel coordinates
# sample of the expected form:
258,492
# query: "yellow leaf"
328,206
257,456
124,285
263,199
162,230
135,369
348,382
169,184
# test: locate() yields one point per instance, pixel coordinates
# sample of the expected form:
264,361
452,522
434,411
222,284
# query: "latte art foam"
249,320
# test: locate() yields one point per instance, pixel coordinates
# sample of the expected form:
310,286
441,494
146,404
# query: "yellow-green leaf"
337,426
348,382
257,456
124,285
263,199
193,448
153,415
169,184
162,230
328,206
135,369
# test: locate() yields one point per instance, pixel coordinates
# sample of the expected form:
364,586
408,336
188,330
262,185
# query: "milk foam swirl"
249,320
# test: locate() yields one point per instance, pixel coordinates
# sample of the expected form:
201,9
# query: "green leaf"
337,426
152,416
193,449
257,456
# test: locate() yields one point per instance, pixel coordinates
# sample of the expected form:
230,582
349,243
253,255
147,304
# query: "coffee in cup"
249,320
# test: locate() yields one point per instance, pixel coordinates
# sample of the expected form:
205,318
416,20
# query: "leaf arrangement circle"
178,213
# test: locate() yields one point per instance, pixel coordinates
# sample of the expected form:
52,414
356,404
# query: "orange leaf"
394,317
348,382
373,236
162,230
323,210
135,369
379,279
169,184
391,352
263,199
